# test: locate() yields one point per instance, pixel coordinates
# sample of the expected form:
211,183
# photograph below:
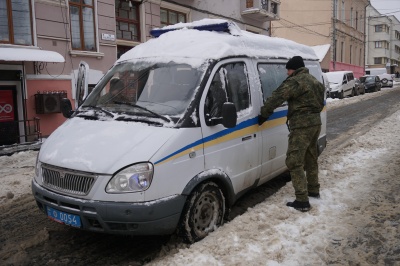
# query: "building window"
170,17
343,12
351,54
356,20
336,9
380,60
83,36
342,52
351,17
397,35
127,20
397,49
381,28
15,22
382,44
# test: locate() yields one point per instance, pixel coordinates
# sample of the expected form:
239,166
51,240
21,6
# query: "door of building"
9,131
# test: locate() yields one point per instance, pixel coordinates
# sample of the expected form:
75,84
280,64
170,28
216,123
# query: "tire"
384,80
341,95
203,212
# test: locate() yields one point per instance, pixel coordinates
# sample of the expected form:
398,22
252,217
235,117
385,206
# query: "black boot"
303,206
314,195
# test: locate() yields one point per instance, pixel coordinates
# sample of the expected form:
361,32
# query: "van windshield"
151,91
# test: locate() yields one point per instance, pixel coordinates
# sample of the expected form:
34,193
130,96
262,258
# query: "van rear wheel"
203,212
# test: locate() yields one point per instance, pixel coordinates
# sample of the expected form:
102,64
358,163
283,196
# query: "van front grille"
67,181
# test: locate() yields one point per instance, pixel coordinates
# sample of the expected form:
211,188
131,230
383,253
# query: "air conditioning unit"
47,103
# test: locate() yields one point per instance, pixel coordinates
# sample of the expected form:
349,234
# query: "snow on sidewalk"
355,222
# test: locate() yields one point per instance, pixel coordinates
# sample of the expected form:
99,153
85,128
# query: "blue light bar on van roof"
221,27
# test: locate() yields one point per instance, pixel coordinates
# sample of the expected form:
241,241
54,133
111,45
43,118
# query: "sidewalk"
8,150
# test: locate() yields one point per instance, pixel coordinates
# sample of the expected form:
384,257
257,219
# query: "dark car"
371,83
359,87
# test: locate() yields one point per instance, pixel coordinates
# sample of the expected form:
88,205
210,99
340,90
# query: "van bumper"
159,217
334,94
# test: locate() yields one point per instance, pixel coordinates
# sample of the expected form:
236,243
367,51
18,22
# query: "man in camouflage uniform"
305,97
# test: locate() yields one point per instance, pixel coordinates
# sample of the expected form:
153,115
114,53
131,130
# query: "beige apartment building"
336,28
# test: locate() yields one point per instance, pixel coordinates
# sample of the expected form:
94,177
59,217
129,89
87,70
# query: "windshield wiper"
145,109
99,109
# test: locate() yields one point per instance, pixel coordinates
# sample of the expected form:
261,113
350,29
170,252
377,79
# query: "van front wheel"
203,212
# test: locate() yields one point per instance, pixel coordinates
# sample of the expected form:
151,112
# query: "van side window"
271,76
229,84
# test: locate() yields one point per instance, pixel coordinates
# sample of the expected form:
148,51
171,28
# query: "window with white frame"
16,22
83,34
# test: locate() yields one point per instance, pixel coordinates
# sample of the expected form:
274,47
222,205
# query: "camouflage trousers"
302,160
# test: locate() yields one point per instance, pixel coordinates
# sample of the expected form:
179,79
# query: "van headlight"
134,178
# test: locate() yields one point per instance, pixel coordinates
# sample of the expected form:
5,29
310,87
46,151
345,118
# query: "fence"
10,131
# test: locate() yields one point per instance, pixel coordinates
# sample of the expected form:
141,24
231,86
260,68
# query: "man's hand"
261,120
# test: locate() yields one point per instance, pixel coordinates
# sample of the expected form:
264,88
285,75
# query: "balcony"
262,10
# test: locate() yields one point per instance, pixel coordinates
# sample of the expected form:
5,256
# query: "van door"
234,151
274,131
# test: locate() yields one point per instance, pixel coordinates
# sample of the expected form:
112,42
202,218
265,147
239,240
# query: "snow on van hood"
102,146
193,47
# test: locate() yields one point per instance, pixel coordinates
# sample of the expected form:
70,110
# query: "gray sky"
387,7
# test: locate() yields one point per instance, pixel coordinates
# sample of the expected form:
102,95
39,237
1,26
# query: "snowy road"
356,222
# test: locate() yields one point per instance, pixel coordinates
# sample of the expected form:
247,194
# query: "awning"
321,50
29,54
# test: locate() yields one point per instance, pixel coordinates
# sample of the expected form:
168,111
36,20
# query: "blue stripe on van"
247,123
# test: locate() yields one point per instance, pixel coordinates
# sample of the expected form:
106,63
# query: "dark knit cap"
295,63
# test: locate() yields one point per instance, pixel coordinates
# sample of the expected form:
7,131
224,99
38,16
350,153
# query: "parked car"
371,83
325,81
341,84
386,80
359,87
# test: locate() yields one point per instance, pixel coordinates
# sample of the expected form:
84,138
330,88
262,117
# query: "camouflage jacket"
305,97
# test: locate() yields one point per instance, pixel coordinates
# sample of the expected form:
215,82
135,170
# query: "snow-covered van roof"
195,42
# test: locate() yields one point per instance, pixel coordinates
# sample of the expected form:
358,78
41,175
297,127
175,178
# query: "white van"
375,71
179,142
341,84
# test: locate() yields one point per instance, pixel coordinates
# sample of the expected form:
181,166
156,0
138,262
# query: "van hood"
334,86
102,147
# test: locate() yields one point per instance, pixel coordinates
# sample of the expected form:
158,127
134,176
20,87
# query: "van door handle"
246,138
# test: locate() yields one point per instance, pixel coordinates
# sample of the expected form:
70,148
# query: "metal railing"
10,131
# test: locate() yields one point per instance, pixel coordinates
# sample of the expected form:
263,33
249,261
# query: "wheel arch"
217,176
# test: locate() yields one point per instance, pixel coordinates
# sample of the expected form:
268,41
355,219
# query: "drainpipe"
366,36
334,34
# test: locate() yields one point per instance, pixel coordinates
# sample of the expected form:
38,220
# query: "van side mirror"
66,107
344,81
229,115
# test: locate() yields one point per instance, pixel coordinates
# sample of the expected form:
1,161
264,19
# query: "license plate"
63,217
